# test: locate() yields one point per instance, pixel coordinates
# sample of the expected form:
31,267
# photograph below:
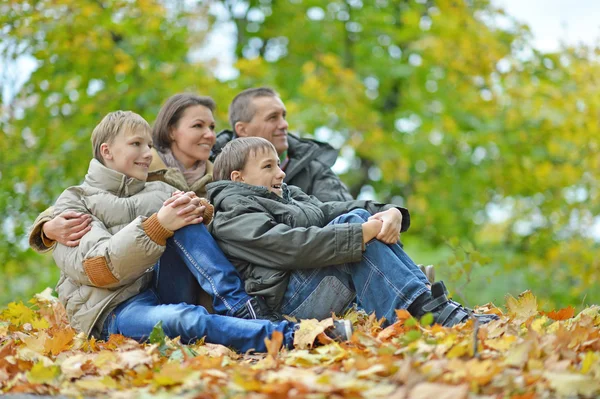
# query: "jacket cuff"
209,211
156,231
355,242
37,239
405,216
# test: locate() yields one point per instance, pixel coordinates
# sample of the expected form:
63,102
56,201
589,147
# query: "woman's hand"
392,223
68,227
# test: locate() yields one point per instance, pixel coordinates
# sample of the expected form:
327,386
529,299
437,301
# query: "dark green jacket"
266,236
309,167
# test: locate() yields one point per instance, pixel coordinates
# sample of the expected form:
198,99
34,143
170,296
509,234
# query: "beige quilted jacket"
113,261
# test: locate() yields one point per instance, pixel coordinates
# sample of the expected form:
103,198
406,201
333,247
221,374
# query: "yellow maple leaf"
41,374
171,374
60,341
18,314
523,307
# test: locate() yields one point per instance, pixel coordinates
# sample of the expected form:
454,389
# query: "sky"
556,21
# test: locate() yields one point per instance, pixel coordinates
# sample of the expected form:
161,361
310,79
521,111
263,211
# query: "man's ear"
240,129
236,175
105,152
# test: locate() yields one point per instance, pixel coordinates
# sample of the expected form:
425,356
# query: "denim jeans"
191,259
136,317
384,280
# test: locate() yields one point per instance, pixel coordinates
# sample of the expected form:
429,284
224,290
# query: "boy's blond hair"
113,124
235,155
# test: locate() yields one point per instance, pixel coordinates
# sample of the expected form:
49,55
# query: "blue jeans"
191,259
384,280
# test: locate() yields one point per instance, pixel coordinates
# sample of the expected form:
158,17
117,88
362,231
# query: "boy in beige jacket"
109,283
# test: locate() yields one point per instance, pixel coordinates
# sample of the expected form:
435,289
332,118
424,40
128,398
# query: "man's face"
262,169
268,122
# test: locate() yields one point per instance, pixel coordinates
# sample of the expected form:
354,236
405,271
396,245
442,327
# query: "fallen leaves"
524,355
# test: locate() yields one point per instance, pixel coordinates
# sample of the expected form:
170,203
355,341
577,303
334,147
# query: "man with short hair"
259,112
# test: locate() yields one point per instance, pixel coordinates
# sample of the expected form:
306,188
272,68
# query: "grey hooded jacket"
309,167
266,236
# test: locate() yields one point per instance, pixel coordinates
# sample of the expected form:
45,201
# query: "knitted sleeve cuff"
208,211
156,231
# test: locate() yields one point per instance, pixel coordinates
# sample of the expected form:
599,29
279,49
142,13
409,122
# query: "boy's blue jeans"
384,280
193,257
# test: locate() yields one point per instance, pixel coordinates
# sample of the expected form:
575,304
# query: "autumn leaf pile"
527,353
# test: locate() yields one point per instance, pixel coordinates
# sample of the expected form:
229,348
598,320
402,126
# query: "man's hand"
371,229
68,227
180,210
392,223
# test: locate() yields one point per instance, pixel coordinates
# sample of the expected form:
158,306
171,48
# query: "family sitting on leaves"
223,249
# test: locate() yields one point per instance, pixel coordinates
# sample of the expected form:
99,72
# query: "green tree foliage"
92,57
442,105
492,145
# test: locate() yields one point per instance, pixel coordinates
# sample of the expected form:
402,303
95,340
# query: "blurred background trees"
443,106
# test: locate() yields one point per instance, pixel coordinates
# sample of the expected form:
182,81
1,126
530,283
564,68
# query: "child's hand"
371,229
188,203
392,223
181,210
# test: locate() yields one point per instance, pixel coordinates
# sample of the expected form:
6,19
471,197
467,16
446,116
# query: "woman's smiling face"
193,136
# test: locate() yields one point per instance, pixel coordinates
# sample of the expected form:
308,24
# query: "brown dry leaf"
562,314
309,330
274,344
35,342
522,308
392,331
427,390
72,367
134,358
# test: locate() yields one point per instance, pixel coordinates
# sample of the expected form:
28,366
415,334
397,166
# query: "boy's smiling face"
261,169
129,153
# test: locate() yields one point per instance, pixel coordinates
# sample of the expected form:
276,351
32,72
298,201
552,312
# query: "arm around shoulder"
37,239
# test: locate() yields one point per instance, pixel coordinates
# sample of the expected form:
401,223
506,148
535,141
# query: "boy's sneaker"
429,272
449,313
340,331
257,308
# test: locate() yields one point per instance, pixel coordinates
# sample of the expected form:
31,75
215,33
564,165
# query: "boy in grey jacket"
109,283
309,258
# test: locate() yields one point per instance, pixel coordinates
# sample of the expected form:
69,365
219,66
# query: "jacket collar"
114,182
157,165
219,190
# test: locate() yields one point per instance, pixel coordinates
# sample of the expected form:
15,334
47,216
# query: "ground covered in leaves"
526,354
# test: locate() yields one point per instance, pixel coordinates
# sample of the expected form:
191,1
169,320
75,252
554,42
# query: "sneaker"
340,331
257,308
429,272
448,313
